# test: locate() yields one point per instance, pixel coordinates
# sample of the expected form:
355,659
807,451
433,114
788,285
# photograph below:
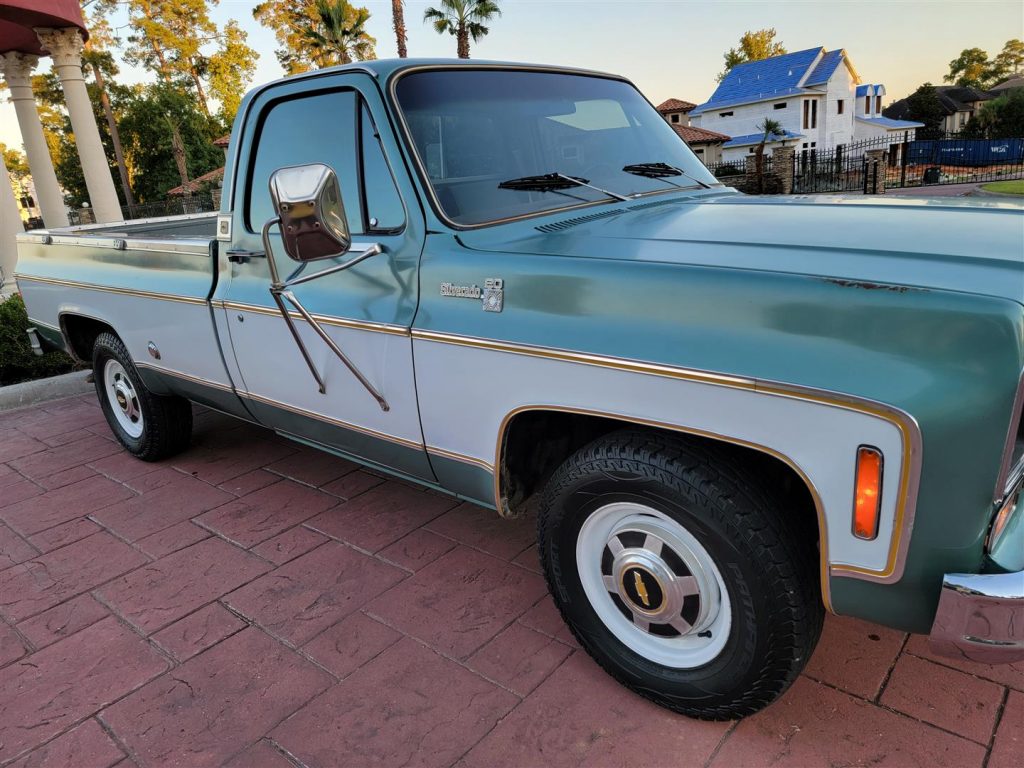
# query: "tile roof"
675,105
755,138
765,79
195,184
691,134
828,64
888,123
223,141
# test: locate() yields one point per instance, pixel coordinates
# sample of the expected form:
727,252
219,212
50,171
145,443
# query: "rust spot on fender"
865,286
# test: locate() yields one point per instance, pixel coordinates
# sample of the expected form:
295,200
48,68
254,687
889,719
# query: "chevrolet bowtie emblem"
641,588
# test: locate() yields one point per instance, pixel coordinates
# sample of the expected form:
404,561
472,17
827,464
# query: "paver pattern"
256,603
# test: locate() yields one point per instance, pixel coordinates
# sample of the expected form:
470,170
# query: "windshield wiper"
661,171
552,182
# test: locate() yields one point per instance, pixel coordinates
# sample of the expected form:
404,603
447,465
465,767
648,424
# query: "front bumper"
980,618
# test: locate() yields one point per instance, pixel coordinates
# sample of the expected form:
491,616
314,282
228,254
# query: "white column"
17,69
65,48
10,225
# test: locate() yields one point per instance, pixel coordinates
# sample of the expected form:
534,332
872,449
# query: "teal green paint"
949,358
468,481
219,399
398,458
360,459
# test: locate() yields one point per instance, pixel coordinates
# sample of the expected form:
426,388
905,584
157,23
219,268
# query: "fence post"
783,159
875,160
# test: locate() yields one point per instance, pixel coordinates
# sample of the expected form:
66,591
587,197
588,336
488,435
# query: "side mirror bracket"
313,227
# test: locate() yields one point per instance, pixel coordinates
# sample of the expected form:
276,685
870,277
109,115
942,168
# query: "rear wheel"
149,426
680,574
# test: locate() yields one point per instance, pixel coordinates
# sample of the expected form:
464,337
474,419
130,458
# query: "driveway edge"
32,392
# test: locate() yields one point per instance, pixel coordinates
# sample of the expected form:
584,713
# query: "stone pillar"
65,48
10,225
783,166
876,171
17,69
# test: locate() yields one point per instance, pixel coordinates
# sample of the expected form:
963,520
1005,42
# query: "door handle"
244,257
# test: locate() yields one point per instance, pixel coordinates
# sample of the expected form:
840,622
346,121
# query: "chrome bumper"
980,618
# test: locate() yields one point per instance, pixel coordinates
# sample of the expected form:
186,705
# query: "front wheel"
150,426
679,573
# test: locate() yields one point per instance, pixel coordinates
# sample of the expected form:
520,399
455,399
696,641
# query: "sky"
673,48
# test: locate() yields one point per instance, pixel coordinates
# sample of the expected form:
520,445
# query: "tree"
769,129
923,106
398,22
336,34
173,38
1011,59
289,19
230,69
754,46
970,69
97,58
1001,118
167,136
973,68
463,19
15,162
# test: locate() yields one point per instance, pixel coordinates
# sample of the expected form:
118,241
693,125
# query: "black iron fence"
174,206
900,161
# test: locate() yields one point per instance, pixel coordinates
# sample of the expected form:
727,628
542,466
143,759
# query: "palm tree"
769,129
398,21
463,19
337,35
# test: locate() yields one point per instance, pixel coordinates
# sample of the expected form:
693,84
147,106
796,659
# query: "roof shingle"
691,134
675,105
765,79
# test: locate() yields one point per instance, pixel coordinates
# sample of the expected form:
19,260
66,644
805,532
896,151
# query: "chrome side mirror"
307,200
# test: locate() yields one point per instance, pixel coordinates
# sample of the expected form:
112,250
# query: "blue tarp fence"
966,152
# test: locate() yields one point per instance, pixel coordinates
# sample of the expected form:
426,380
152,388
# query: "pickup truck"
517,285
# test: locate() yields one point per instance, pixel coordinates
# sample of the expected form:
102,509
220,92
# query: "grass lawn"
1006,187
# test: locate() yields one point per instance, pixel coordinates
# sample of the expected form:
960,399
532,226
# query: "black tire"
769,571
166,423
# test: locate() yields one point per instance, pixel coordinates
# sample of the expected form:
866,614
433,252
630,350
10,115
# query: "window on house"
807,114
725,114
814,114
840,106
878,105
675,118
867,105
780,105
698,151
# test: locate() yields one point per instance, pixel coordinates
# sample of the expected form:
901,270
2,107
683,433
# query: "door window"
333,128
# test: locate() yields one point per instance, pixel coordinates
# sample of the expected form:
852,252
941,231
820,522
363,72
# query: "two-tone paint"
800,328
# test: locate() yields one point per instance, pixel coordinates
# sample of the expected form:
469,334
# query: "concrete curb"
39,391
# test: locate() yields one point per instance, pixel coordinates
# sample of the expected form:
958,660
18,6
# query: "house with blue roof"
816,95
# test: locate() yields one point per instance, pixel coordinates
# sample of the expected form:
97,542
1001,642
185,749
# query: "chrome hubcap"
124,402
653,585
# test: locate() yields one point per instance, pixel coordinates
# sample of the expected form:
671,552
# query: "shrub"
17,361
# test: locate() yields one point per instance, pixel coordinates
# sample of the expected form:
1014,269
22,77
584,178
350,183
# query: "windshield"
475,129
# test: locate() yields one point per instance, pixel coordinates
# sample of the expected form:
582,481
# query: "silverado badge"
492,296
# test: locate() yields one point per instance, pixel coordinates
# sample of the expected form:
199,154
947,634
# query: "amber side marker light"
867,494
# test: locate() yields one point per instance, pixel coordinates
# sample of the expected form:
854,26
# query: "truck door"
367,310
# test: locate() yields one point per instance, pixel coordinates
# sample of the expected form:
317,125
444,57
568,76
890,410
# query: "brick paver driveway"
259,604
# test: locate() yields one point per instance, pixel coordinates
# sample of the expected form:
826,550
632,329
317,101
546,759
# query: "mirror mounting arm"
371,250
279,289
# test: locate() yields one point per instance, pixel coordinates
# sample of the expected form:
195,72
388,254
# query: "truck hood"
973,246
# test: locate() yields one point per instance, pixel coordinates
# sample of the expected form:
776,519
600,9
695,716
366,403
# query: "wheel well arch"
533,442
81,332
